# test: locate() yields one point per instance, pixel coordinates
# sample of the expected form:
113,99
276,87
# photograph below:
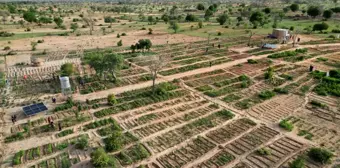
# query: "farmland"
172,84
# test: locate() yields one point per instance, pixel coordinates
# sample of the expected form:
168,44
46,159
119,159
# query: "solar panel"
34,109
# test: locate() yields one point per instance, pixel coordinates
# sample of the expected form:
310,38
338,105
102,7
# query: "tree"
120,43
208,14
82,143
314,11
190,18
30,17
200,24
89,21
174,26
257,18
45,20
113,63
74,27
222,19
11,8
320,155
111,99
109,19
285,9
294,7
99,158
66,69
251,34
327,14
156,64
150,31
150,19
58,21
281,16
165,18
320,26
114,142
200,7
267,10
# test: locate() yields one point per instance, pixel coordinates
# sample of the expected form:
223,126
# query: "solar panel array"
34,109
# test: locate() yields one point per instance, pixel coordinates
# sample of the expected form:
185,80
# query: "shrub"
265,95
101,159
297,163
252,61
318,104
82,143
66,69
264,151
7,48
320,155
281,90
285,124
124,34
111,99
6,34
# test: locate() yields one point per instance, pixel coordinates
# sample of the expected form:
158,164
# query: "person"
219,46
59,125
299,39
210,64
130,64
213,45
49,120
311,68
54,100
13,119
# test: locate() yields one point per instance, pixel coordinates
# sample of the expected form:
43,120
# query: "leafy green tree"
200,7
190,18
45,20
30,17
66,69
327,14
174,26
74,27
267,10
314,11
320,155
257,18
208,14
165,18
150,19
294,7
114,142
58,21
320,26
113,63
11,8
222,19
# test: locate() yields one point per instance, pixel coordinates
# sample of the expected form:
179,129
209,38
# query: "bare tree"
89,21
156,64
251,34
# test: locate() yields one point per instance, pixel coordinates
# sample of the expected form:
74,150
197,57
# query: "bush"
111,99
124,34
297,163
82,143
101,159
320,155
318,104
7,48
336,31
285,124
265,95
281,90
6,34
264,151
66,69
252,61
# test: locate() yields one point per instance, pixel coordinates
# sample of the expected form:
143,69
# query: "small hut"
37,61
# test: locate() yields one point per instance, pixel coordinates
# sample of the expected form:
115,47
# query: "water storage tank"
280,33
65,82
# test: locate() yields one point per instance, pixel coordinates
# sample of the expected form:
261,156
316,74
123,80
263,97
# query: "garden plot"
320,132
132,154
173,121
249,69
145,119
229,131
278,151
209,79
149,165
193,150
325,107
220,159
189,98
178,135
62,160
277,108
242,165
251,140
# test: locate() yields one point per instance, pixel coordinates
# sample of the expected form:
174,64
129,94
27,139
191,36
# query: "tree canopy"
222,19
294,7
314,11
